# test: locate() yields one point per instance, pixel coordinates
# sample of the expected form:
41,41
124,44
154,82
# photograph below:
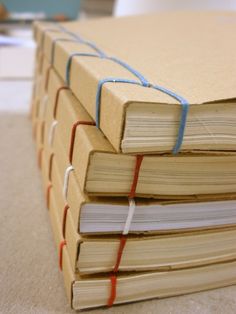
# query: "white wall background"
128,7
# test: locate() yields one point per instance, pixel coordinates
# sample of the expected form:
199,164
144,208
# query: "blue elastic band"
54,44
69,61
120,62
83,41
99,92
182,101
44,33
183,119
130,69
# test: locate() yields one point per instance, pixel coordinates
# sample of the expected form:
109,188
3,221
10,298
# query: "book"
86,292
93,254
161,176
148,120
101,171
99,215
141,204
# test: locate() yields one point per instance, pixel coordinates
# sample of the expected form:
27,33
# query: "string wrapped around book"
123,238
142,82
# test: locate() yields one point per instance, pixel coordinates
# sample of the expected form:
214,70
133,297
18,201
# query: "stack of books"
135,126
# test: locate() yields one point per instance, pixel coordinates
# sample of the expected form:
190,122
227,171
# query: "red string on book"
64,220
123,238
57,98
112,297
113,279
49,187
72,137
61,246
139,159
50,167
40,152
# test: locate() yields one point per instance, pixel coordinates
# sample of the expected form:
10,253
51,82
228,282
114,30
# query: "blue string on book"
142,82
120,62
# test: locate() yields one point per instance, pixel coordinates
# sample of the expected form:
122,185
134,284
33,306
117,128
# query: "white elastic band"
66,181
43,105
130,215
52,132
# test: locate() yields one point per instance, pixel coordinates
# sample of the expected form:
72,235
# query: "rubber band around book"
65,211
61,246
54,46
72,137
123,238
113,281
143,82
52,132
54,123
49,187
45,31
57,99
138,163
113,278
66,181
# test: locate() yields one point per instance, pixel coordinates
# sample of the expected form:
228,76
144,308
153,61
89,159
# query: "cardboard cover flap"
191,53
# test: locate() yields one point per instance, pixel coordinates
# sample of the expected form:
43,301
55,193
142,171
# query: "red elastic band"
139,159
48,194
62,244
57,98
50,166
64,220
112,297
113,278
123,240
40,152
47,78
72,137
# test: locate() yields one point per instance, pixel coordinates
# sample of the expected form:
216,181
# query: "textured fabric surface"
30,281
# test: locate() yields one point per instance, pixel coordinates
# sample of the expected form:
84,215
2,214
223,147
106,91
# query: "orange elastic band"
139,159
47,78
50,166
123,240
48,194
40,152
112,297
64,220
72,137
62,244
113,278
57,98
